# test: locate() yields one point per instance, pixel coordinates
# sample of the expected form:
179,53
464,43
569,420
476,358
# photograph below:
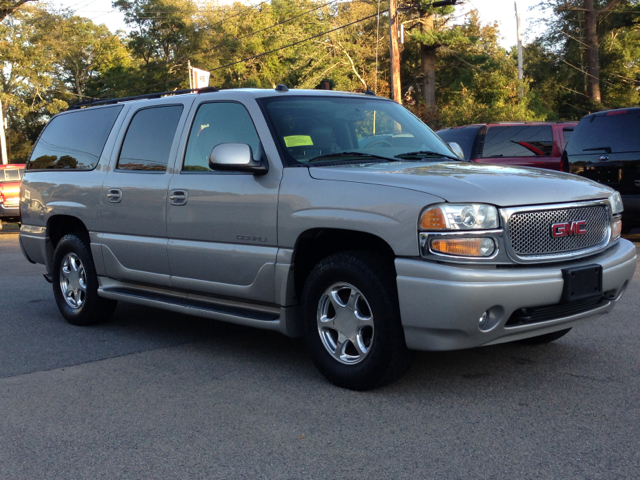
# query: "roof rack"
110,101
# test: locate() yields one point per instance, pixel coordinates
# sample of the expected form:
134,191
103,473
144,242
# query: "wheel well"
60,225
314,245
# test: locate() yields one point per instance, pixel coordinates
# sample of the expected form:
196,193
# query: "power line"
156,65
253,57
270,26
298,42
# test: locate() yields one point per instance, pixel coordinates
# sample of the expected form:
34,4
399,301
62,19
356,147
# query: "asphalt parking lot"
157,395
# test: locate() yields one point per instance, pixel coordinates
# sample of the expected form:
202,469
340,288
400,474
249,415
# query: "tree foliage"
52,59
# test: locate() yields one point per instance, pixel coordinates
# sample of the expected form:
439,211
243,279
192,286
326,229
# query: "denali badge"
569,228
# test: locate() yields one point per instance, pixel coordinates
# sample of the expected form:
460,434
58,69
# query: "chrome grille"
530,232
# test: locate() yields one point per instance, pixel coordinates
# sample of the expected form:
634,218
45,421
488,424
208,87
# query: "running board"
260,316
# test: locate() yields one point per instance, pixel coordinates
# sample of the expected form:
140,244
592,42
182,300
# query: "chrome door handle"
178,197
114,195
603,158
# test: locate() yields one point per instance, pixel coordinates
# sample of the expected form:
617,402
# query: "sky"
502,11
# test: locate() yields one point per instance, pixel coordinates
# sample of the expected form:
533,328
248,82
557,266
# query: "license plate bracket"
581,282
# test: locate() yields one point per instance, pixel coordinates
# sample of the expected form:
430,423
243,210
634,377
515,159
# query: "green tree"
592,46
431,28
478,81
7,7
49,61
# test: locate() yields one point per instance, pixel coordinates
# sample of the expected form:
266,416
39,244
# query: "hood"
499,185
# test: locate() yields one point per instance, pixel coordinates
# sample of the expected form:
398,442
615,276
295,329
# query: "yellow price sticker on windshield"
298,141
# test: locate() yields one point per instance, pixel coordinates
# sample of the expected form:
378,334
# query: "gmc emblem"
569,228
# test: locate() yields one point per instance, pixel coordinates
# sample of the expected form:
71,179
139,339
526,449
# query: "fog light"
484,321
616,228
466,247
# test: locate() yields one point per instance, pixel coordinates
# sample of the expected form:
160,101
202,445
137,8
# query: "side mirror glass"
236,157
457,149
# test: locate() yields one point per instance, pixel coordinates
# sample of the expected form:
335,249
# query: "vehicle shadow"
493,368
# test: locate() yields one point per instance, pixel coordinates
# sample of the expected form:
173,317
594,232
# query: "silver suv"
336,216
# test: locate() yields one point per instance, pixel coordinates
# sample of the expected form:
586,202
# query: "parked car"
336,216
605,147
10,176
528,144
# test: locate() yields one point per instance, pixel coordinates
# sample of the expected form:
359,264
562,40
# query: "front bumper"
440,304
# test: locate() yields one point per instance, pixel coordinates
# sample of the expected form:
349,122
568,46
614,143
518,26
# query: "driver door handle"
114,195
178,197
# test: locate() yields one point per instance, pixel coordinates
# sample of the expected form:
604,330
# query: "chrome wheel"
345,323
73,281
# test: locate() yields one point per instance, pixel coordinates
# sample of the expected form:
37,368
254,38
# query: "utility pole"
520,63
591,39
394,51
3,139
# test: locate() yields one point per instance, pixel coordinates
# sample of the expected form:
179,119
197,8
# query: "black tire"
372,284
93,309
542,339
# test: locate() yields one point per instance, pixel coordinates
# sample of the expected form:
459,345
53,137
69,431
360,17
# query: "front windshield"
342,129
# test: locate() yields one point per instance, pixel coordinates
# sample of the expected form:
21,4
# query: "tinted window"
464,137
567,132
598,133
308,129
11,174
217,123
518,141
74,140
149,138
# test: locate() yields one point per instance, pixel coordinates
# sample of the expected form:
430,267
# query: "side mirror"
457,149
236,157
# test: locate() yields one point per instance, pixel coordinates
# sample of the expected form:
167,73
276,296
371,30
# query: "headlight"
615,200
459,216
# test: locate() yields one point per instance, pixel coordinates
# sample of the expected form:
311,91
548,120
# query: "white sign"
200,78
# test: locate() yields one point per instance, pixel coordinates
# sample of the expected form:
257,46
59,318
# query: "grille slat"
530,232
527,316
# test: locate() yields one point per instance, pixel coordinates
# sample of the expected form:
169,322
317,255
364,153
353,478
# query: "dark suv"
527,144
605,147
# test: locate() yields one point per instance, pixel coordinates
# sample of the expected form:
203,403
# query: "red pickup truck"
10,177
527,144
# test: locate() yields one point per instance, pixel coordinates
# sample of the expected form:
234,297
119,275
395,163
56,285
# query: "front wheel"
75,284
352,321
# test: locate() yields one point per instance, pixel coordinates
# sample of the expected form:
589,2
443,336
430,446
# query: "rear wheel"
352,321
542,339
75,284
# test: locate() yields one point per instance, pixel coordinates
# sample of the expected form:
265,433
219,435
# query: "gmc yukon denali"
339,217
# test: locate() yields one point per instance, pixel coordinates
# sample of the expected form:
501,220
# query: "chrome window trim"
507,213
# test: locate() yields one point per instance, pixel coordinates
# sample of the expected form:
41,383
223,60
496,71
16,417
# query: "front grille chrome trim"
508,213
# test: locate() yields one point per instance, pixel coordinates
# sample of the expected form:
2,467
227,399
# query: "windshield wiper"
329,156
426,153
606,149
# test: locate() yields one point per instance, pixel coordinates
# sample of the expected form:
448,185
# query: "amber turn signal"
465,247
433,219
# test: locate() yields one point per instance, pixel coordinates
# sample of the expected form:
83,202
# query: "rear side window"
518,141
612,133
149,137
74,140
